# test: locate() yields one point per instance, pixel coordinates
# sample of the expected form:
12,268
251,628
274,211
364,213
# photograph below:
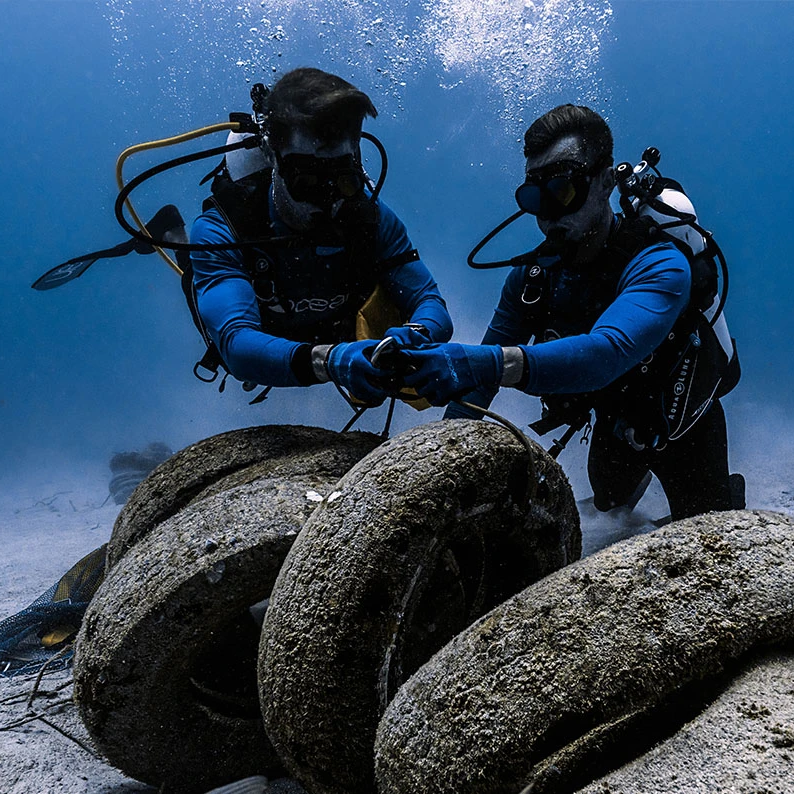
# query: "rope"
35,689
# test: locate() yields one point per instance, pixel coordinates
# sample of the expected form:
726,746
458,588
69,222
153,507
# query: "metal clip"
534,300
384,347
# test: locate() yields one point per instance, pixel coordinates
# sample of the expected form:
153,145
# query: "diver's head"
314,124
569,176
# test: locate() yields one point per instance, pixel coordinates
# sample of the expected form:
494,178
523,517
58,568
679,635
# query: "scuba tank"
698,362
645,193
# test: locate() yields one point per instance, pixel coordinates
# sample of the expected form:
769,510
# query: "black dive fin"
76,267
166,219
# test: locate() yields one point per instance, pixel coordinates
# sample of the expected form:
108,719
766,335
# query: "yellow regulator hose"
142,147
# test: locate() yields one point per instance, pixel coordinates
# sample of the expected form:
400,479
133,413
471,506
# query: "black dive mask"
557,189
321,181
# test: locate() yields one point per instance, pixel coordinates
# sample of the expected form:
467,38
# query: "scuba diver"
625,320
296,267
284,313
293,272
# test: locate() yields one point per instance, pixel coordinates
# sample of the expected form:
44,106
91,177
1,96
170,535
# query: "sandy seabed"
50,520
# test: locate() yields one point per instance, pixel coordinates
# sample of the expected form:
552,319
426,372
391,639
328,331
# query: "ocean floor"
52,518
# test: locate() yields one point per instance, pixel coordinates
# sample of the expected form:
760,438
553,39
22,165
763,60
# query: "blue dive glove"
409,335
445,372
349,366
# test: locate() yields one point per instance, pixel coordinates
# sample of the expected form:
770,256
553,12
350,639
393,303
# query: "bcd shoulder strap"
244,204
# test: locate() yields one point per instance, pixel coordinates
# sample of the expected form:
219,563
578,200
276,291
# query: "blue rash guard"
652,292
231,312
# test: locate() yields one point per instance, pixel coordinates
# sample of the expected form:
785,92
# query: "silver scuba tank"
674,212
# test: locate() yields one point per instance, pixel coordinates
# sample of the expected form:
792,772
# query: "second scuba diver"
616,313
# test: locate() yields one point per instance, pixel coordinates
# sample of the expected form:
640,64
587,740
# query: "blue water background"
103,364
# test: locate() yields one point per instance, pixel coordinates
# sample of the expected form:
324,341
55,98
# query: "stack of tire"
366,558
655,640
427,626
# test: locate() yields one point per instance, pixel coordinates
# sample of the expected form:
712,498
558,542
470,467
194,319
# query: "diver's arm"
411,286
416,294
651,296
652,293
228,307
508,328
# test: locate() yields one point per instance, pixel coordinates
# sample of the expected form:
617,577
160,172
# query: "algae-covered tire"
228,459
542,689
427,532
740,741
165,661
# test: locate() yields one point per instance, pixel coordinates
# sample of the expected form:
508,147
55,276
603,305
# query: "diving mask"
321,181
556,189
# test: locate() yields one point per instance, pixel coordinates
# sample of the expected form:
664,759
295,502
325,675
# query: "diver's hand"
349,366
444,372
409,335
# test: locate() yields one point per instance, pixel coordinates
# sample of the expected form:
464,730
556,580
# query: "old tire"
419,538
740,741
228,459
165,662
542,687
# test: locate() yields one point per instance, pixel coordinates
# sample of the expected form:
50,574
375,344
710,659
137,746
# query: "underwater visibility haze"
104,363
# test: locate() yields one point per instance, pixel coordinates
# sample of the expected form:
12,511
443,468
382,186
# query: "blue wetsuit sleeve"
508,329
652,292
411,285
228,307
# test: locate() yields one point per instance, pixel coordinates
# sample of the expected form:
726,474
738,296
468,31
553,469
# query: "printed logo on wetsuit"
312,304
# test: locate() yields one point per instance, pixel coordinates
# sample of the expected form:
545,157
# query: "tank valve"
652,156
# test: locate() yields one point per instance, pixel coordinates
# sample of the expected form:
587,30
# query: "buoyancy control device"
698,362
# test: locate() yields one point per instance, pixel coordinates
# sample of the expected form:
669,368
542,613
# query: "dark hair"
567,120
322,103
